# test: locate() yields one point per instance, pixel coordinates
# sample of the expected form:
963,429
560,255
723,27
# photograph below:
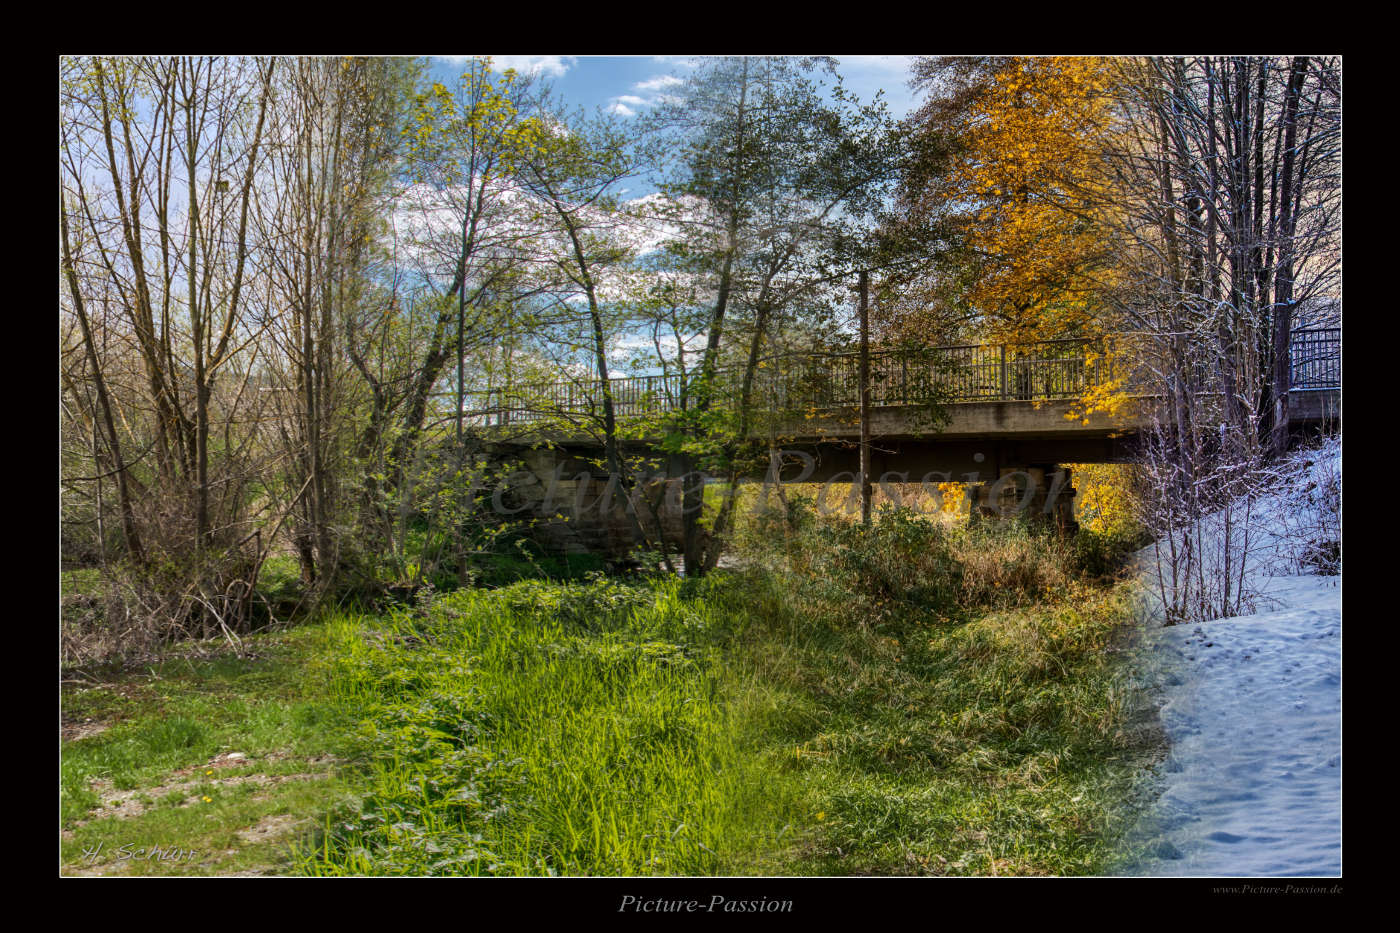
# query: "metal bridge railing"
970,373
1315,359
1050,369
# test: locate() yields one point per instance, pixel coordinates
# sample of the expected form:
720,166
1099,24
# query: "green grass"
999,745
579,729
140,785
910,699
955,700
85,581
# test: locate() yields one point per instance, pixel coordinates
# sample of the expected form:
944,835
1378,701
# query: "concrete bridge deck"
1006,427
1001,404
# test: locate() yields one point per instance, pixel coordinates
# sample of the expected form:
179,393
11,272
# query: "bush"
131,610
905,558
900,557
1011,564
1107,553
1304,518
1324,557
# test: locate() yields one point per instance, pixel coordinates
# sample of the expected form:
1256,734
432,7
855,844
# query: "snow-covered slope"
1252,708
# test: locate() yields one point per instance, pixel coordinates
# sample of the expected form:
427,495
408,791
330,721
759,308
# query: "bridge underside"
1011,451
985,439
915,460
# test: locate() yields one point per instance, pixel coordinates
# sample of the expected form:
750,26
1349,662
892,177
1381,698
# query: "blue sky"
631,84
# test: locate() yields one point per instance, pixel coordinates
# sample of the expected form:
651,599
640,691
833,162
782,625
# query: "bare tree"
318,212
158,159
1225,198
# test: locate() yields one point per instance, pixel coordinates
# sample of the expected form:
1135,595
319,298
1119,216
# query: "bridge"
967,413
1024,395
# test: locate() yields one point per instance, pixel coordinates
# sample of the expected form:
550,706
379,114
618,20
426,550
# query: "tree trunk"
129,532
865,487
1283,291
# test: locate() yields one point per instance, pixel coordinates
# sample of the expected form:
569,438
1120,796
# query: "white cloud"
551,66
427,229
658,83
641,348
649,93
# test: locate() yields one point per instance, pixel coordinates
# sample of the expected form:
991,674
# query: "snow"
1251,707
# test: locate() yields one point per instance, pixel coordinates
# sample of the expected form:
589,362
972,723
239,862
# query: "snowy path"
1252,707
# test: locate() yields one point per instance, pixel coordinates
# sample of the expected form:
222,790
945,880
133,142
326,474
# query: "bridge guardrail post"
1003,395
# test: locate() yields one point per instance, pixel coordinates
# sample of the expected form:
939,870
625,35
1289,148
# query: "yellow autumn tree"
1104,498
1030,166
1016,177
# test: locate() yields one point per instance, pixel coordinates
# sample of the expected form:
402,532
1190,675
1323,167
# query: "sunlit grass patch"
564,729
185,755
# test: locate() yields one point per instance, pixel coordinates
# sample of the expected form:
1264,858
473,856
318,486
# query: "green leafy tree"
468,144
769,174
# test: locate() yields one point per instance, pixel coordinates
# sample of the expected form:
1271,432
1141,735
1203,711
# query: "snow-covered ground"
1252,708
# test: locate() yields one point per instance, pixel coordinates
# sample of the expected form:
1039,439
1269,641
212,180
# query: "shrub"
905,558
902,556
1107,553
1009,564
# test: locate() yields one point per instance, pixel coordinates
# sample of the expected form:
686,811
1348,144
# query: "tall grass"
579,729
957,698
911,698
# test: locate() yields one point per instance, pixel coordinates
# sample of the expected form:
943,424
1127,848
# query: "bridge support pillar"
1036,493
